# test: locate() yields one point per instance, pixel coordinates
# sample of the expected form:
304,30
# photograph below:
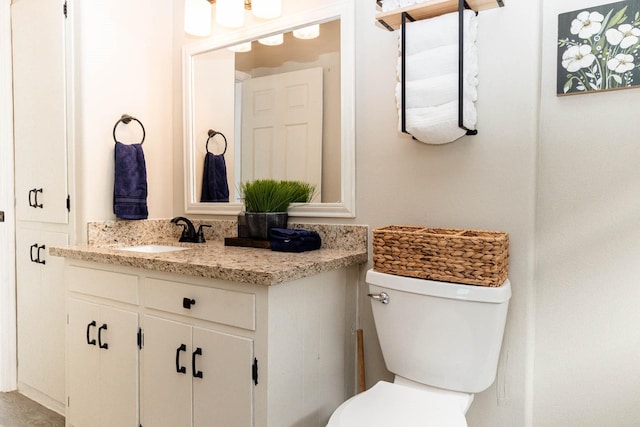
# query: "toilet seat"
387,404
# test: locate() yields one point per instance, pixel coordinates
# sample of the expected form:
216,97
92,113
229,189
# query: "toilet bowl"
441,340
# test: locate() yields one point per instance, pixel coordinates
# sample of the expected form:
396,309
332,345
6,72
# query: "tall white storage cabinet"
42,196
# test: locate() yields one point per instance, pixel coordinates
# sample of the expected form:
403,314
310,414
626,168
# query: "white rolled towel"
439,61
439,31
439,125
436,91
388,5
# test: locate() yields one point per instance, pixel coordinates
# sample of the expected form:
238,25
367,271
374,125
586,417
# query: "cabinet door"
39,92
117,335
41,312
102,365
83,364
223,396
166,373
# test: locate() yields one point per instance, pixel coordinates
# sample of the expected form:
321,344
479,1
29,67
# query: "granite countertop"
215,260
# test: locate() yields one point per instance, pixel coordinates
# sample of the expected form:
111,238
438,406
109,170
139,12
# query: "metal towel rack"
213,133
126,119
462,5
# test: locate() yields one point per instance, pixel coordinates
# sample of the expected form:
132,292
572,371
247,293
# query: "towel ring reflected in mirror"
126,119
213,133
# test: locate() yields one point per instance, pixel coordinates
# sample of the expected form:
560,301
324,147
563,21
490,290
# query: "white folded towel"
439,61
436,91
439,125
439,31
388,5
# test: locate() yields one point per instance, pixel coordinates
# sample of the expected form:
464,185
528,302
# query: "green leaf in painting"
618,17
568,85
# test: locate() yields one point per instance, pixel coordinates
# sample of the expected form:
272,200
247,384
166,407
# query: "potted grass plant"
266,202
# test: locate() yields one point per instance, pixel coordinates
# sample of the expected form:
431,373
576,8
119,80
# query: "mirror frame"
343,11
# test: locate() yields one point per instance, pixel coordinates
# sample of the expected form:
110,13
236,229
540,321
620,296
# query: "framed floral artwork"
598,48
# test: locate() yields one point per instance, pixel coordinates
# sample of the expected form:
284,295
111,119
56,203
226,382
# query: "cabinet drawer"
216,305
101,283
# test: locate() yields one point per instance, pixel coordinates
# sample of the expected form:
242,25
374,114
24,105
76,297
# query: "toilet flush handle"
382,297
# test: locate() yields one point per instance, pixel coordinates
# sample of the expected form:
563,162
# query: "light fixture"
197,17
274,40
242,47
266,9
229,13
306,33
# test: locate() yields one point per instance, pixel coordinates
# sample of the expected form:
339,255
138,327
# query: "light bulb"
230,13
306,33
266,9
272,40
197,17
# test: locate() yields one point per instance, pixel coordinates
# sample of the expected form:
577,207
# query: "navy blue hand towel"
215,187
294,240
130,183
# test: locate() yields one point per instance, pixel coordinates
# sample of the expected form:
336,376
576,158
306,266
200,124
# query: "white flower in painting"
621,63
587,24
577,57
625,35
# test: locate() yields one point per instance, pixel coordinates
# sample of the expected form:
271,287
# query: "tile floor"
19,411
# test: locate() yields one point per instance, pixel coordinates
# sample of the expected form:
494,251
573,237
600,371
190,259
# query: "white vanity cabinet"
102,348
214,353
205,372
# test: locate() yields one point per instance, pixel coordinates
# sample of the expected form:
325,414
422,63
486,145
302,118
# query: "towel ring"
126,119
213,133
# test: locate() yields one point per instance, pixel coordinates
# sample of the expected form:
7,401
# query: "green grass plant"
270,195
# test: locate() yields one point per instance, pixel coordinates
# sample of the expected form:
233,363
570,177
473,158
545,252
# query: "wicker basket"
473,257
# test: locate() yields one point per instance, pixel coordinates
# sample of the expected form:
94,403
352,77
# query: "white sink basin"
152,249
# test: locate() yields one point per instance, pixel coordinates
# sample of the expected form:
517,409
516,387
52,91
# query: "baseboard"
41,398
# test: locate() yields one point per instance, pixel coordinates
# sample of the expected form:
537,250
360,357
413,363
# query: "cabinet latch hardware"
254,371
68,203
64,9
140,339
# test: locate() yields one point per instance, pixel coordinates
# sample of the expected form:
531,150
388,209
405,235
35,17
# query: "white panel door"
166,373
83,364
38,37
223,395
118,330
282,127
41,312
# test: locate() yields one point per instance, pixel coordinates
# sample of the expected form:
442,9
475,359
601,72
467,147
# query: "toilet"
441,340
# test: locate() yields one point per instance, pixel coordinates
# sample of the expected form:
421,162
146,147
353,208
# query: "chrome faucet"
189,233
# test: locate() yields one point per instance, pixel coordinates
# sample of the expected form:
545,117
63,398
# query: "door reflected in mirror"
276,111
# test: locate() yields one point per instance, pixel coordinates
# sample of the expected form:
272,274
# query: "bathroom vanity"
211,335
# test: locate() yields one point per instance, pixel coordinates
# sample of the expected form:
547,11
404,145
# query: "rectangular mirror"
277,111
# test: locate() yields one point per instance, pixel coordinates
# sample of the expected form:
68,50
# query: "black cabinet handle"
188,302
41,261
89,340
100,344
196,373
180,369
33,202
36,258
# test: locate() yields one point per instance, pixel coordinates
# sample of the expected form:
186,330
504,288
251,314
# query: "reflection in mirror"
286,112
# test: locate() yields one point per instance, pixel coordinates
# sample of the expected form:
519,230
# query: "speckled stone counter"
342,246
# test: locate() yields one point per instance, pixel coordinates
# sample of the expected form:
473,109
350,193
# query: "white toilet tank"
441,334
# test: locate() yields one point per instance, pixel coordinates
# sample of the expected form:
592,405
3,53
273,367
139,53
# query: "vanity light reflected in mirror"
315,76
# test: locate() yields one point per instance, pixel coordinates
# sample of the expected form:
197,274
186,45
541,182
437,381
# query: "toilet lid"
387,404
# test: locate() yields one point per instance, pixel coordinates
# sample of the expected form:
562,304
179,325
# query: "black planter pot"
260,223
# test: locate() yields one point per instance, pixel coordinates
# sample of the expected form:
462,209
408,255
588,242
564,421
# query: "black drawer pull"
31,248
196,373
188,302
100,343
33,202
89,340
180,369
41,261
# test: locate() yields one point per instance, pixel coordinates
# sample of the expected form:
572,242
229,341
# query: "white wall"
485,181
587,358
122,65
